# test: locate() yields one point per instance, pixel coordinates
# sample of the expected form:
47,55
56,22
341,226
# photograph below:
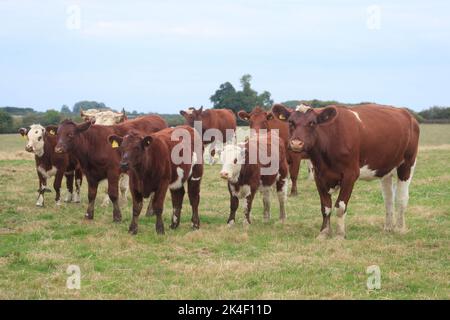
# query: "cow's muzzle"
296,145
59,149
224,175
28,148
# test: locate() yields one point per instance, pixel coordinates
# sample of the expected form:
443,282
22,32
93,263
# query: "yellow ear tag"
52,132
114,144
281,117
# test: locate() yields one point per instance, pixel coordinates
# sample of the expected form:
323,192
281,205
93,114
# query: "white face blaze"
107,118
232,158
36,139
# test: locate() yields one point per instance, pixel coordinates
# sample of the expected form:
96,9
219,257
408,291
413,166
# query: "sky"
164,56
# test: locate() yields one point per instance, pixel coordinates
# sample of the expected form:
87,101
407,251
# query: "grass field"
263,261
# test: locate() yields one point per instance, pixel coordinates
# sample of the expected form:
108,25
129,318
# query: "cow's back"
221,119
145,124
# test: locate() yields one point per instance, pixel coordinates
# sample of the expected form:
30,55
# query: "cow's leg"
113,193
387,189
158,205
341,204
41,191
248,201
234,204
57,186
194,200
325,204
69,186
123,188
212,152
282,195
404,173
294,169
177,196
92,194
78,181
150,212
106,200
137,207
310,170
265,192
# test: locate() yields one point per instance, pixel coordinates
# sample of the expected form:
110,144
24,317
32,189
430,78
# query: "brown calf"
89,144
245,176
220,119
41,141
260,119
344,144
152,167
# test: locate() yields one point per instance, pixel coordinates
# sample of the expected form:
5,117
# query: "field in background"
263,261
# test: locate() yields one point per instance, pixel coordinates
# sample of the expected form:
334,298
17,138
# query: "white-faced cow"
164,160
247,169
344,144
41,142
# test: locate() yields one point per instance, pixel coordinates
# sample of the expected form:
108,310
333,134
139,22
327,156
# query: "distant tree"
65,109
6,122
436,113
50,117
246,99
87,105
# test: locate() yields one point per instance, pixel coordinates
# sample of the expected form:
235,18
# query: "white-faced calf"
259,163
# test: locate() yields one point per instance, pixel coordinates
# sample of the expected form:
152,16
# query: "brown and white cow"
41,142
243,167
88,143
219,119
260,119
153,168
366,142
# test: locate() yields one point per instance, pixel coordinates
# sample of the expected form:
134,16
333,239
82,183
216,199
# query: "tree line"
226,96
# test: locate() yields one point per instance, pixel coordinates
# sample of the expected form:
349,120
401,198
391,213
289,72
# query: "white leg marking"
68,197
387,190
340,220
265,191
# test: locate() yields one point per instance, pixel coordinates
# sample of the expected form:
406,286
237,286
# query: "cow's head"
303,124
35,139
131,148
257,119
191,115
66,134
108,118
232,157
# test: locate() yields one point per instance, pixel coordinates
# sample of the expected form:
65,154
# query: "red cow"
88,144
220,119
344,144
152,167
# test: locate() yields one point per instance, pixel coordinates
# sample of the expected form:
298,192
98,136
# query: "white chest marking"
243,192
177,184
356,115
49,173
366,174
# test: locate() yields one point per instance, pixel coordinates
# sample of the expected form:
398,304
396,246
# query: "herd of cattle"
341,144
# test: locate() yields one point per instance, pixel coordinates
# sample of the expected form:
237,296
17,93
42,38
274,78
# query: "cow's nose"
297,145
224,175
59,149
124,165
29,148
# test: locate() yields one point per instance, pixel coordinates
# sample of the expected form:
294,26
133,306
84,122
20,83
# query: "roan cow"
366,142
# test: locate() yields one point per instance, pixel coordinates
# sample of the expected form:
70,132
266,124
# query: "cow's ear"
23,132
115,141
84,126
147,141
51,130
243,115
199,111
269,116
326,115
183,113
281,112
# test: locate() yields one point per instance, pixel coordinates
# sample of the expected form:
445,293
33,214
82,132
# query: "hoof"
133,231
173,226
401,230
323,235
58,203
230,223
39,205
293,194
340,236
388,228
117,219
195,226
88,216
